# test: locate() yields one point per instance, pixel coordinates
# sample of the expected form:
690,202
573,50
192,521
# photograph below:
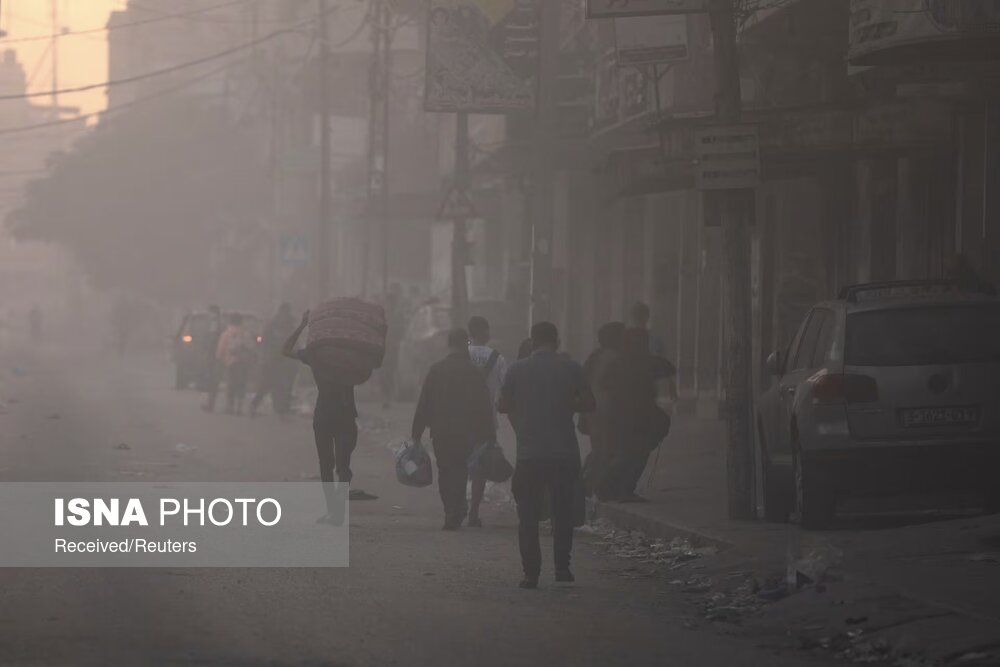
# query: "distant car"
894,388
192,346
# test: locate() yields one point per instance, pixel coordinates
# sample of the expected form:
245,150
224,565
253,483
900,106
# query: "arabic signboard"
608,9
482,56
651,40
881,27
728,157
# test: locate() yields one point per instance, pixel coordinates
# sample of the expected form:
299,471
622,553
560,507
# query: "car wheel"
815,502
778,492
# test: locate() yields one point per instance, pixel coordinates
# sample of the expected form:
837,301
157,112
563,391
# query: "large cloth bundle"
347,335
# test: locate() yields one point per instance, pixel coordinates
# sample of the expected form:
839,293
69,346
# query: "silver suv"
892,388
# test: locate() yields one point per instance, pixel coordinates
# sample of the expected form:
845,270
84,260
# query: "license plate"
951,416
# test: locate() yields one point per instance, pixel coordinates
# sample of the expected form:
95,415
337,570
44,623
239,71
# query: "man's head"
545,336
458,341
640,315
479,330
236,319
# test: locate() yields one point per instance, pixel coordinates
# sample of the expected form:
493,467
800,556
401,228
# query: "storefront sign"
482,56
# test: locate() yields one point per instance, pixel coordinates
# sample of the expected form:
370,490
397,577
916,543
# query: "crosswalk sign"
294,250
457,206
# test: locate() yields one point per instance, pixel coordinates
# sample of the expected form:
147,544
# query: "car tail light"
843,388
260,339
187,339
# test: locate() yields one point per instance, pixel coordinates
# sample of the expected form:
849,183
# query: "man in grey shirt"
541,394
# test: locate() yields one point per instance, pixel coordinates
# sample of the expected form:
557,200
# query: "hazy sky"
82,58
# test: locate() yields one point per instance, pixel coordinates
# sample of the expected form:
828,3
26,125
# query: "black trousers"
453,476
335,442
531,480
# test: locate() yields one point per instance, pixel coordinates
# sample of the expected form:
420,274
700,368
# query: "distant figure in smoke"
35,327
211,375
277,373
639,318
598,424
959,269
236,352
455,406
637,425
494,368
396,316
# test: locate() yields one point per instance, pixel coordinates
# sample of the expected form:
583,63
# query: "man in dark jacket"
541,395
455,405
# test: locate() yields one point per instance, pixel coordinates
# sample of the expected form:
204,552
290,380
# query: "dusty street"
413,595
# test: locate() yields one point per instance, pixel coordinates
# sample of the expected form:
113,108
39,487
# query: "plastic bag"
489,461
413,465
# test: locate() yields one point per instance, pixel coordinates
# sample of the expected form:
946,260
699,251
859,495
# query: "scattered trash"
181,447
976,558
396,507
123,447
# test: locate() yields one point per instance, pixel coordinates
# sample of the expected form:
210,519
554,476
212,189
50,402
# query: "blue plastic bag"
413,465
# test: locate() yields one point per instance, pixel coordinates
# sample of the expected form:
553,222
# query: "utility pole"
377,205
459,242
325,196
54,54
386,92
541,205
734,207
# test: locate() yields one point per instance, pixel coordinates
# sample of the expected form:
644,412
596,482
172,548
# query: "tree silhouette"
147,199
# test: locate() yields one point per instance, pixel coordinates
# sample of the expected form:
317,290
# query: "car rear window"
923,336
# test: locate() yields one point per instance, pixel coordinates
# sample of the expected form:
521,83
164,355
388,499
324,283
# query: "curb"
631,517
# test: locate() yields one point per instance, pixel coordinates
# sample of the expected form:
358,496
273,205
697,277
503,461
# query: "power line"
121,107
155,73
130,24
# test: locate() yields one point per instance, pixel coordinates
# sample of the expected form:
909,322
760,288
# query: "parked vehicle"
894,388
191,346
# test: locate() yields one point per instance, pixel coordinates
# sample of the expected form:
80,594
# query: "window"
924,336
808,341
822,353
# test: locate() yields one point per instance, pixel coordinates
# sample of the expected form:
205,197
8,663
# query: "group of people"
615,393
233,353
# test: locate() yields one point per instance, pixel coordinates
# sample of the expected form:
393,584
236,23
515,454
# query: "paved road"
413,595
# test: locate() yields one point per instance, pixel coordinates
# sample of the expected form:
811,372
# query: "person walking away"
277,374
597,424
494,368
637,424
395,311
236,353
211,374
335,425
541,394
35,328
639,319
455,406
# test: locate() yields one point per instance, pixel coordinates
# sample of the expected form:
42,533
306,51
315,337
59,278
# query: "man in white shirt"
494,366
